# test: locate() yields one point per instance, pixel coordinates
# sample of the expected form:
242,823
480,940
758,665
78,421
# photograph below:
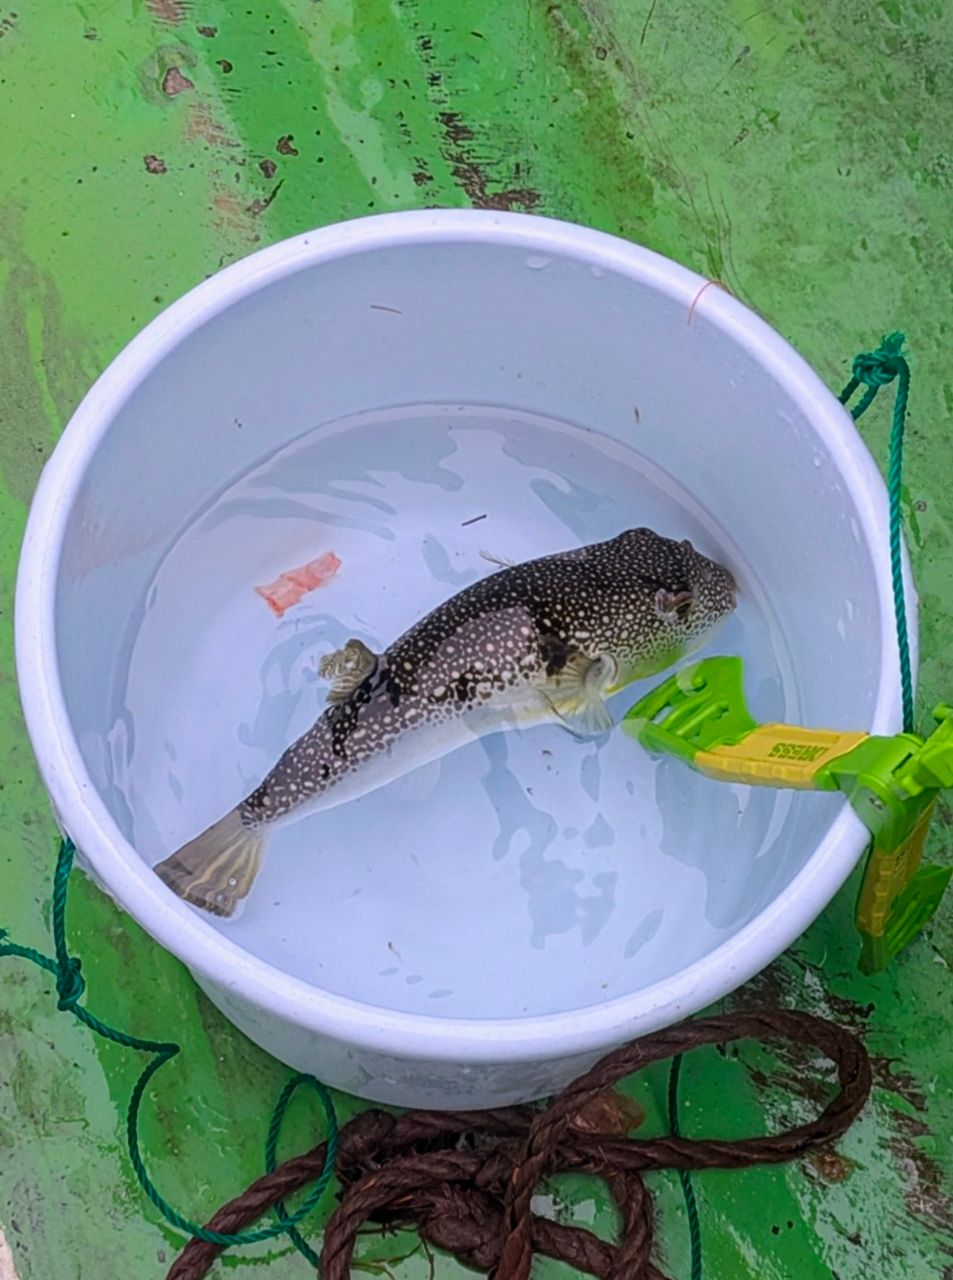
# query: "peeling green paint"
801,156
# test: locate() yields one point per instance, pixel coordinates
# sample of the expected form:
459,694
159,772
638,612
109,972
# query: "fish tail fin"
216,870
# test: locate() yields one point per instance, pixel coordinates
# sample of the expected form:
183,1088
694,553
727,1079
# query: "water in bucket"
526,873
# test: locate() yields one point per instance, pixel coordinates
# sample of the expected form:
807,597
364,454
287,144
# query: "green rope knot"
70,984
876,369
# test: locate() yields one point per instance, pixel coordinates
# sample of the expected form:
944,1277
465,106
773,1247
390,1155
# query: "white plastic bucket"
482,308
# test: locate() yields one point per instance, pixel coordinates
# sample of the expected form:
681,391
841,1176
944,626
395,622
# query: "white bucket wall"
473,307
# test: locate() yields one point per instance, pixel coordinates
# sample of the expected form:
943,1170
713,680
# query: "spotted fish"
543,641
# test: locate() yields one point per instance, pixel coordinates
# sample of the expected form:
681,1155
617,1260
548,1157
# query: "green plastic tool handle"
699,715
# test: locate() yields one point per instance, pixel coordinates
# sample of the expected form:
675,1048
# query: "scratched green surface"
802,156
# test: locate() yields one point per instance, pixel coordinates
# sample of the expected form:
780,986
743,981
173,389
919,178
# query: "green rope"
70,985
271,1157
873,370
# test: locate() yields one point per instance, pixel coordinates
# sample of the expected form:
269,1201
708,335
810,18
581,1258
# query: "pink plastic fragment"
288,588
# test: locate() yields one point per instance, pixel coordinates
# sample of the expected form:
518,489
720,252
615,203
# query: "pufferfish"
540,642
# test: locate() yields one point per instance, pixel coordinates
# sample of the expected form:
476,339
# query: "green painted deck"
799,154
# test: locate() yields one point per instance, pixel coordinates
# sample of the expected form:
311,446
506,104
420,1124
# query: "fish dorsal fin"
347,668
498,560
576,694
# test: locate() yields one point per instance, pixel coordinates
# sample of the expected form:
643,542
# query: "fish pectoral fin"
499,560
673,604
576,695
585,720
347,668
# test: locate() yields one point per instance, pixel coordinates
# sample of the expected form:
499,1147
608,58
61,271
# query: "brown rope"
466,1180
